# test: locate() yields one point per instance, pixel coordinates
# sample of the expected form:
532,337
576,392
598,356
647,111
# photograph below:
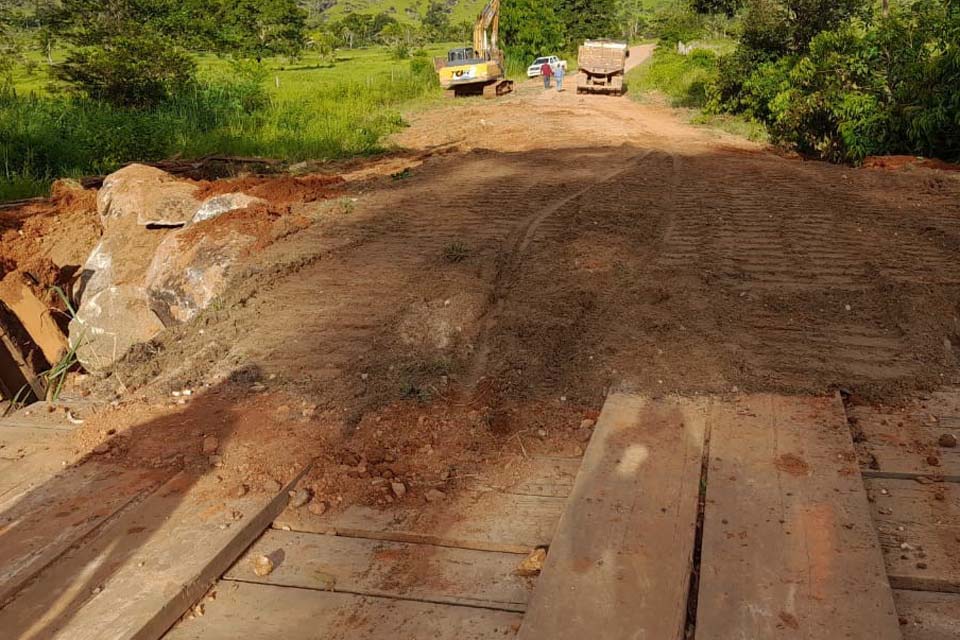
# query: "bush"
677,23
886,85
135,71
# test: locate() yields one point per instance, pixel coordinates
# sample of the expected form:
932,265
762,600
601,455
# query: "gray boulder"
108,323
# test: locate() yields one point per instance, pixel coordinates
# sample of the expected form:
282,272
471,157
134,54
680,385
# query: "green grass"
313,109
683,80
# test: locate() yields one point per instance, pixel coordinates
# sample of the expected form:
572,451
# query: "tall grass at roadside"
44,137
683,79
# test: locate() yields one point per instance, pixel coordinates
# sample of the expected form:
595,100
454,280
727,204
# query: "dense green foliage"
530,28
260,28
583,19
844,82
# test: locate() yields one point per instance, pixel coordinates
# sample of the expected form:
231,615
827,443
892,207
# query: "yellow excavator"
477,70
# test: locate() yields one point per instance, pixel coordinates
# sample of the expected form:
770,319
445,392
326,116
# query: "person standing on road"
546,71
559,73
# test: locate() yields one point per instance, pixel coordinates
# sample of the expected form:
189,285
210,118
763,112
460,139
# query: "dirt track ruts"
618,246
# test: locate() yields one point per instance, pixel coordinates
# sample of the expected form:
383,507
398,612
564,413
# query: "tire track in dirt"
788,249
352,305
583,242
509,263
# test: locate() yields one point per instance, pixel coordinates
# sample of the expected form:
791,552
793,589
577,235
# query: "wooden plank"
537,476
266,612
621,559
919,529
39,524
49,415
926,615
788,544
485,521
393,569
30,457
36,317
140,573
902,442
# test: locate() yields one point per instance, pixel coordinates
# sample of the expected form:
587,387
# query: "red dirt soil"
278,190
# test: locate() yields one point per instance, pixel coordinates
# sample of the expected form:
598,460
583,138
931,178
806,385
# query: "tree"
726,7
9,48
401,38
436,21
361,29
261,28
530,28
323,43
127,53
586,19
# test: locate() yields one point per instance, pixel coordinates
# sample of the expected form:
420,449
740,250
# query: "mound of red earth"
900,162
168,250
115,267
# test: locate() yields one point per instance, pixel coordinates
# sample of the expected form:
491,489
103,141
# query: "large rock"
121,257
218,205
108,323
192,266
150,196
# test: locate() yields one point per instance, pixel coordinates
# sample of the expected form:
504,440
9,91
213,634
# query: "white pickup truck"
534,70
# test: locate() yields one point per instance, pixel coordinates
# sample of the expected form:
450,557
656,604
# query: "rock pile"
155,264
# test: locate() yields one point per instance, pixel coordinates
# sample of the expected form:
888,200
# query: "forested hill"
400,9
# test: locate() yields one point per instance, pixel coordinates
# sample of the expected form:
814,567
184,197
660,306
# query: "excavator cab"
462,55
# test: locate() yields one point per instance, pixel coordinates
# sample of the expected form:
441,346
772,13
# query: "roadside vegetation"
82,95
88,85
839,80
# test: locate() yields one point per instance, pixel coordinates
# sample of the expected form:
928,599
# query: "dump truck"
478,69
601,66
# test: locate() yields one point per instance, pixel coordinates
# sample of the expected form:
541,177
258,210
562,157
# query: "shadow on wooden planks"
97,551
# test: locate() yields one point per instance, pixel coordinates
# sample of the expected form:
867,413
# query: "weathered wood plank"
485,521
139,573
266,612
927,615
904,441
919,529
393,569
621,558
538,476
788,544
39,523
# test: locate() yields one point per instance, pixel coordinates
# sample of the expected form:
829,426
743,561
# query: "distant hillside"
402,9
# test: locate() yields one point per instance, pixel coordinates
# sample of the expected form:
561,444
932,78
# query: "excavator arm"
485,32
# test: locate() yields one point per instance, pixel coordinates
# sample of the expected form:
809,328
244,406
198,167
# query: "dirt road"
464,305
555,245
639,54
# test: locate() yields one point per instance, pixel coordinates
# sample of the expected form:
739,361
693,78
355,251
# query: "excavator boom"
485,31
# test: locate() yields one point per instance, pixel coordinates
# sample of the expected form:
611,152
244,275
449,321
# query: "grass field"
312,109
